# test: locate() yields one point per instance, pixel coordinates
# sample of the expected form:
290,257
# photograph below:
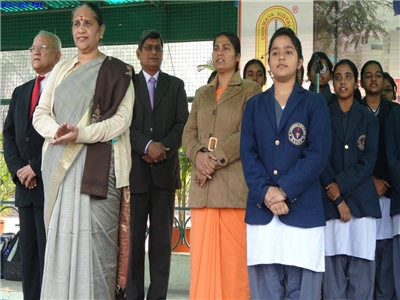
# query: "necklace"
99,54
79,64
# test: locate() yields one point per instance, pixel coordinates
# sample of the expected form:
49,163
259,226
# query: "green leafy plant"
207,66
182,195
7,186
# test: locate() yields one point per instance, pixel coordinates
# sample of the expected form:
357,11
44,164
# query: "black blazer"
351,163
163,124
23,146
392,131
381,169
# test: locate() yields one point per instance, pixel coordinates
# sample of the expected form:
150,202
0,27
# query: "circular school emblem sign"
361,142
297,134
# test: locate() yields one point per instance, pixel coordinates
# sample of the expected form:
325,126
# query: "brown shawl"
111,85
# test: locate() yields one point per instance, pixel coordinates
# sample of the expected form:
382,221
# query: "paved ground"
13,290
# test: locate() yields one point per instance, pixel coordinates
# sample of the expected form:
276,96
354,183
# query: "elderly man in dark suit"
160,113
23,155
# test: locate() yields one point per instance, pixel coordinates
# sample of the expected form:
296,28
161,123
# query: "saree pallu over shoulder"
103,81
112,82
73,106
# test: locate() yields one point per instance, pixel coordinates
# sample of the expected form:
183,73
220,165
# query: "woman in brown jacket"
218,191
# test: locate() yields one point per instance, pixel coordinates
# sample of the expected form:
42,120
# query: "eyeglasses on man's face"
41,48
149,48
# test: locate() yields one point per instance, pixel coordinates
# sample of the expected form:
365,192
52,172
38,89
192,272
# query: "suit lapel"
162,87
336,117
27,99
230,92
354,118
143,92
269,102
233,88
385,107
294,99
209,95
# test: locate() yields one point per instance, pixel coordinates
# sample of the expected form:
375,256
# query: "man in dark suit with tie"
156,133
23,155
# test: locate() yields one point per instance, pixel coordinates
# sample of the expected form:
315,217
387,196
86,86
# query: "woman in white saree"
84,114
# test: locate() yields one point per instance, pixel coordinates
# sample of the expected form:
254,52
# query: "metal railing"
182,225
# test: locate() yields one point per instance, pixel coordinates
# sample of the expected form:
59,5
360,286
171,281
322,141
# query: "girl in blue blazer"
350,198
284,146
392,139
372,81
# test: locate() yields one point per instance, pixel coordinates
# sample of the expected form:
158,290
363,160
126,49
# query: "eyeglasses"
149,48
41,48
387,90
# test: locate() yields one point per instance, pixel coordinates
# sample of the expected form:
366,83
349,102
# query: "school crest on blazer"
361,142
297,134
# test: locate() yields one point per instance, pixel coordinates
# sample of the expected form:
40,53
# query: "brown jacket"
222,120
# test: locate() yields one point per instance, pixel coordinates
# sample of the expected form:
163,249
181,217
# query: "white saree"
82,231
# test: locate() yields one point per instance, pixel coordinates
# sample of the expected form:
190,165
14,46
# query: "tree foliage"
350,23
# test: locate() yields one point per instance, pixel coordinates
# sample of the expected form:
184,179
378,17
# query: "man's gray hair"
56,40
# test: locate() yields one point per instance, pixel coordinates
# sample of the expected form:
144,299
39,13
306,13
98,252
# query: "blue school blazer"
392,138
291,155
352,162
381,167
